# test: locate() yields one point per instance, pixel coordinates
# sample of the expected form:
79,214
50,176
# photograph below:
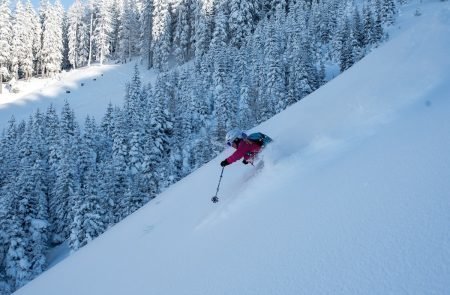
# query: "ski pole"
215,199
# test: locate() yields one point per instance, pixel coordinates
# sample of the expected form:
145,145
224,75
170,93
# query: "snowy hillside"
354,196
91,89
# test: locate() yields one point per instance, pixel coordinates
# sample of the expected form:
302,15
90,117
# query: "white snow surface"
354,196
90,99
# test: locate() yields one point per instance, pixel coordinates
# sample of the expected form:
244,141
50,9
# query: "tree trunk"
90,40
129,46
101,56
150,42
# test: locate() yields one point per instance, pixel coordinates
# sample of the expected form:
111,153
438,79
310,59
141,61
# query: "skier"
247,147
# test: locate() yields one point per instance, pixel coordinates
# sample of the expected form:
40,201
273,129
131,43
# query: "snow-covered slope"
354,196
101,85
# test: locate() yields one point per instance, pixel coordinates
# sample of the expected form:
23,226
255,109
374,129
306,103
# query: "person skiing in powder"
247,147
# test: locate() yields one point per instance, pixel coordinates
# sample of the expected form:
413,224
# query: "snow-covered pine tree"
183,124
76,29
202,98
340,31
129,31
161,131
106,190
332,12
149,177
39,136
135,109
5,288
89,219
102,30
116,13
37,214
218,57
107,124
3,144
319,19
388,11
66,185
183,31
161,34
309,77
204,23
91,142
40,225
10,157
36,33
134,103
89,20
240,21
119,163
41,148
220,34
346,54
52,37
146,33
368,26
245,116
257,74
296,54
225,104
58,16
5,37
17,40
9,162
274,99
136,154
22,43
358,32
83,42
51,127
17,263
105,169
27,56
65,64
268,7
203,146
378,31
28,208
134,197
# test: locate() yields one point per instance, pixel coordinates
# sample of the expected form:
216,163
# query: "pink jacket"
246,149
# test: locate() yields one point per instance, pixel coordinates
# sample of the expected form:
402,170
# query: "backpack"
259,138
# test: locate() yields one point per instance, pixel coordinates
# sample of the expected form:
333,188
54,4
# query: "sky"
65,3
353,196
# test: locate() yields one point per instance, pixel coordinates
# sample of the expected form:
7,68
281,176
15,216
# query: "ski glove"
224,163
245,162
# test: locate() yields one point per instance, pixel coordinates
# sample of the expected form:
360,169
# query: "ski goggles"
230,143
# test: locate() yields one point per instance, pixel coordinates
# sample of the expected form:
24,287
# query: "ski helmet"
234,134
